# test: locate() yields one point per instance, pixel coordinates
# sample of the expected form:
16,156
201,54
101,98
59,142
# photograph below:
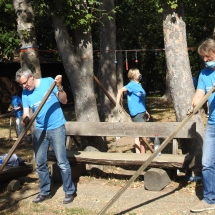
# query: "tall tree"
107,55
77,58
178,68
25,27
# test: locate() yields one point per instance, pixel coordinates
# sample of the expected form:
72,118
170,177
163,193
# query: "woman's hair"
132,72
206,47
23,71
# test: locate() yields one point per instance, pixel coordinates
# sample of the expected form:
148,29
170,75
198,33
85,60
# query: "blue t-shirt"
205,82
136,98
16,102
51,115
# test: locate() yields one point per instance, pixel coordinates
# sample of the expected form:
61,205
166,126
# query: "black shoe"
69,198
41,198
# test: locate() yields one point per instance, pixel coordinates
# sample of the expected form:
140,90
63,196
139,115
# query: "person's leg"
57,138
137,145
18,128
208,165
208,172
143,144
40,146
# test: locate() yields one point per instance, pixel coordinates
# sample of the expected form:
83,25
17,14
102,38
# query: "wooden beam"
15,171
145,129
168,161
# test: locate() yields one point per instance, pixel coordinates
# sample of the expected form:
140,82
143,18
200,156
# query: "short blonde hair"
132,72
206,47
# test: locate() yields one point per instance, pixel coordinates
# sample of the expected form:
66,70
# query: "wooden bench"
149,129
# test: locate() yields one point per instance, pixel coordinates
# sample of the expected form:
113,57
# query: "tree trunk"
180,79
167,95
25,27
78,64
119,68
107,57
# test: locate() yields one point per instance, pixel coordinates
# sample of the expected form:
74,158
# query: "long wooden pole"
27,127
163,145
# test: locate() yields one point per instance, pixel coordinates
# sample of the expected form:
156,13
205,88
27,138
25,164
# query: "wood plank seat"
168,161
120,129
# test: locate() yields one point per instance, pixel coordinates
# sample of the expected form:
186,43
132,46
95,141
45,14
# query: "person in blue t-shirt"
136,103
49,130
16,103
205,82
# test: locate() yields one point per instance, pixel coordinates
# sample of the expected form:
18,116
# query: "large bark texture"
180,79
29,56
107,56
78,63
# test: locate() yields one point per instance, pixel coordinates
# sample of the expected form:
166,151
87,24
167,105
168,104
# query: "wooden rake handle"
27,127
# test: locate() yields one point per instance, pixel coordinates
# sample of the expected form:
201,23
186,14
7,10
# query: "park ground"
96,188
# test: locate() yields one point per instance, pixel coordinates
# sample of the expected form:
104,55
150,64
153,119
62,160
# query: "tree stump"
156,179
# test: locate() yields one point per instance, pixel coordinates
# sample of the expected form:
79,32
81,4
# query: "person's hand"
58,81
119,107
147,116
190,110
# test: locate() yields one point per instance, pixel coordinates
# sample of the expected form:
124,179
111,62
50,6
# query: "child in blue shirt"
16,103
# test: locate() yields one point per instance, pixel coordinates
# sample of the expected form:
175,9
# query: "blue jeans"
208,165
42,140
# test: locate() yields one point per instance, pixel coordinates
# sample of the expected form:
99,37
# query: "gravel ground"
94,193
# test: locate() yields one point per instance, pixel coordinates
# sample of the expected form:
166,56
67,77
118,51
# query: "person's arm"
119,96
197,97
147,116
61,94
199,94
18,108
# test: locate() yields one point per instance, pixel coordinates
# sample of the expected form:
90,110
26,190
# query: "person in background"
16,103
205,82
49,130
136,103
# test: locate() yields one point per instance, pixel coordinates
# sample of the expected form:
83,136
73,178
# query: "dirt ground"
96,188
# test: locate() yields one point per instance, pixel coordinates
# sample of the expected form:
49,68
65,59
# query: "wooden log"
120,129
15,171
13,186
156,179
123,159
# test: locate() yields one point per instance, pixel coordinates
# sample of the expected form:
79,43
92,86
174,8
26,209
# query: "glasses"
25,82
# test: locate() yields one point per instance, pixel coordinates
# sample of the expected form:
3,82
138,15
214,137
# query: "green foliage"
9,41
139,26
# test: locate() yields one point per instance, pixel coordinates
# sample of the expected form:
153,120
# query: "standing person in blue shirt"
16,103
136,103
49,130
205,82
